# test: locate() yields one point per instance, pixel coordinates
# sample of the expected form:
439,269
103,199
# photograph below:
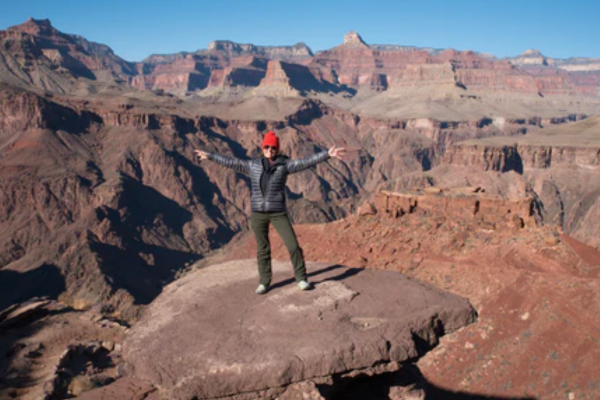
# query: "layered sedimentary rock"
48,54
289,79
553,146
188,74
196,72
243,71
561,165
523,156
354,63
533,57
296,53
463,206
427,75
571,76
35,53
487,158
223,64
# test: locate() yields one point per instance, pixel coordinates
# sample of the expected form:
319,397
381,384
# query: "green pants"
260,225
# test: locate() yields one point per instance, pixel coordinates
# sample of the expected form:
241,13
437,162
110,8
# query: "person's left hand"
201,155
337,152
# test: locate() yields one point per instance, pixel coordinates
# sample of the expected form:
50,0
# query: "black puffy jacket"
273,198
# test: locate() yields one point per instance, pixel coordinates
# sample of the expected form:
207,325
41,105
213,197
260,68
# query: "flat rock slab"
123,389
209,335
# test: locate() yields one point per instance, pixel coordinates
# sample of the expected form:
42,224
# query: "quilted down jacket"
268,179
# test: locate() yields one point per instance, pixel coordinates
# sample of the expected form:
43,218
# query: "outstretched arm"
229,162
304,163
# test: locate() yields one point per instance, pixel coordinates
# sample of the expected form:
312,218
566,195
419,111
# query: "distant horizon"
555,28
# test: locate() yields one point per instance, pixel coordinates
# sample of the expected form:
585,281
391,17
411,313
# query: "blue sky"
135,29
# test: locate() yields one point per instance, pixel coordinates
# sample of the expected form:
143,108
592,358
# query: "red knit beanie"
270,139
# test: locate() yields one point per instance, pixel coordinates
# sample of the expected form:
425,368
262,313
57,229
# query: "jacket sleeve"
304,163
235,164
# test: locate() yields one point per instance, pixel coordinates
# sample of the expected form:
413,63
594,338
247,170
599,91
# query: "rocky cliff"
524,154
40,46
560,164
560,76
354,63
35,53
464,206
296,53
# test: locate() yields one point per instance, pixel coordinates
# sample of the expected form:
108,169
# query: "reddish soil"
537,294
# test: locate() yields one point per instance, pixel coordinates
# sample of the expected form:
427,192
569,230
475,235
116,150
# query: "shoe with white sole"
262,289
303,285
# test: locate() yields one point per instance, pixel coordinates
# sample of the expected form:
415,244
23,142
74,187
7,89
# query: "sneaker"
303,285
262,289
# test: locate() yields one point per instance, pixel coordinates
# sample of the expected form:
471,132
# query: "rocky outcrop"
573,76
244,71
540,156
288,79
55,60
223,64
21,111
46,47
427,75
531,57
356,64
353,39
487,158
197,72
466,206
560,165
354,321
123,389
187,74
534,57
296,53
520,157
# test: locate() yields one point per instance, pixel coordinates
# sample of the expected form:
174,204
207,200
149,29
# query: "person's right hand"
201,155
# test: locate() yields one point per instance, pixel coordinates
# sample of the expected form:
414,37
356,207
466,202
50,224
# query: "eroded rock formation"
469,206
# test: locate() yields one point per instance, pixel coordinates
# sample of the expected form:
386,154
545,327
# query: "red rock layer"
464,207
520,157
364,66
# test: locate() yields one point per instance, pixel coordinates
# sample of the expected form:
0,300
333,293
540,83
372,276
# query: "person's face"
270,151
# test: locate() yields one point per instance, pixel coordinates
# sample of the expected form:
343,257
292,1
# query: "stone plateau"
209,336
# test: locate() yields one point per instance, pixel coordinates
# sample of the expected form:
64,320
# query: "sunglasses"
267,147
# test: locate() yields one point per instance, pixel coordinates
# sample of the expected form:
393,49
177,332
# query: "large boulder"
208,335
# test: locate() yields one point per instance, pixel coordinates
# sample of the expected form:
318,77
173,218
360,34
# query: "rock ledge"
208,335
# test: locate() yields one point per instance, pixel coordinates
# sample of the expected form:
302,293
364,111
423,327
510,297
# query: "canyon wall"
520,157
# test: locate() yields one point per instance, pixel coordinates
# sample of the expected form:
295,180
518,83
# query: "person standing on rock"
268,175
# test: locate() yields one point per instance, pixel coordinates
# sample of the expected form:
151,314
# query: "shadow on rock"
19,354
408,382
44,281
346,273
